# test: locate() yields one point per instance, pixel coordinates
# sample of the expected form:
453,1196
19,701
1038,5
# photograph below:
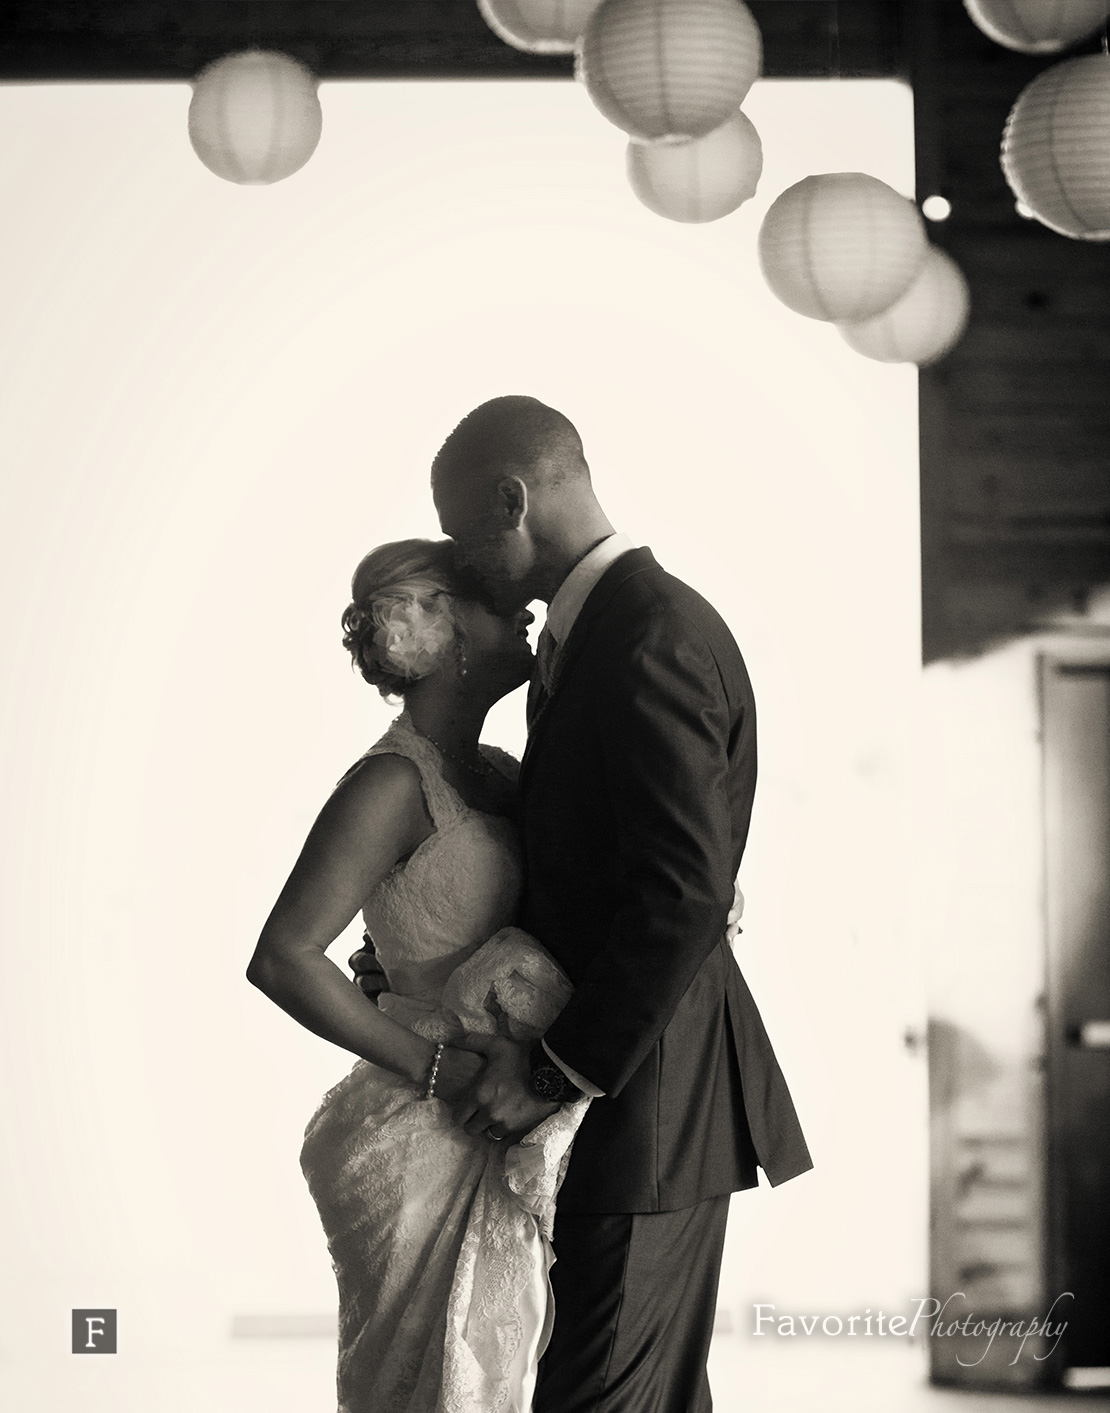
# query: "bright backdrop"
214,400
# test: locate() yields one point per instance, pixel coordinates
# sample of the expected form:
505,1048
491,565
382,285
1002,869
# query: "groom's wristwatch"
548,1080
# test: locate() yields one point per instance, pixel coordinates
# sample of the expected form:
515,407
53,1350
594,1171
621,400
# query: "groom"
636,792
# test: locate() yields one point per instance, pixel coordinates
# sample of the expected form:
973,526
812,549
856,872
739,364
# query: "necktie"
546,648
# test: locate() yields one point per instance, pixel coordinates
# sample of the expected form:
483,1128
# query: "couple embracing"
524,1180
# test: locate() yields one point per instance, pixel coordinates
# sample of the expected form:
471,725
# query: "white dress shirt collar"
575,589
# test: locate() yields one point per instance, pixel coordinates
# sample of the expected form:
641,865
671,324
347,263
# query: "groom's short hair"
514,434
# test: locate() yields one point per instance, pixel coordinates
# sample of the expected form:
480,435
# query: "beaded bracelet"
429,1093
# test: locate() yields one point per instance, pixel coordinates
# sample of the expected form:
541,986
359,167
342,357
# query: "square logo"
94,1332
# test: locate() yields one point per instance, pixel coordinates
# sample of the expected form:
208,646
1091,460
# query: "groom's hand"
369,975
501,1102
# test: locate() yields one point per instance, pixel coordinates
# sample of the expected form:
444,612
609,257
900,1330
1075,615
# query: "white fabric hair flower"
414,633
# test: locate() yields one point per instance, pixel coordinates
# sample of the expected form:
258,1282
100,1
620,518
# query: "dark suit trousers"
635,1298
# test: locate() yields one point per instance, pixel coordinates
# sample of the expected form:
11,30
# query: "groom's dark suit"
636,793
637,788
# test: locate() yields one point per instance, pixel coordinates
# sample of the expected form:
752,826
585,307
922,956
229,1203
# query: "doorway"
1076,742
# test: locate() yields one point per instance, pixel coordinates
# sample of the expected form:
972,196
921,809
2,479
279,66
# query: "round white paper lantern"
699,180
841,246
924,324
669,70
1056,147
1037,26
255,116
538,26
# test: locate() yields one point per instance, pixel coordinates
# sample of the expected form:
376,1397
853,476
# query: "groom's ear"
512,500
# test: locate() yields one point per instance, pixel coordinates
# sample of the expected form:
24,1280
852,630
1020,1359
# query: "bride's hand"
501,1103
457,1071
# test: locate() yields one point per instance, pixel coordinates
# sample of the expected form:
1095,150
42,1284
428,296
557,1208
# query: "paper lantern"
841,246
924,324
538,26
1056,147
1037,26
255,117
669,70
699,180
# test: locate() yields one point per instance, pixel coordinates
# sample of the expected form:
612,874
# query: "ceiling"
88,40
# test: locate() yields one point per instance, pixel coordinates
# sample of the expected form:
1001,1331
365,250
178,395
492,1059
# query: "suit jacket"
636,792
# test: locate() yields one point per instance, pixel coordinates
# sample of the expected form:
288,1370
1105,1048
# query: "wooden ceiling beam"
171,40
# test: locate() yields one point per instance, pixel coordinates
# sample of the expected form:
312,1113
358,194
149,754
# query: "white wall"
215,399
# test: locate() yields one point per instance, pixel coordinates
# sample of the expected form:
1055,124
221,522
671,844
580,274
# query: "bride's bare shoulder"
382,784
381,768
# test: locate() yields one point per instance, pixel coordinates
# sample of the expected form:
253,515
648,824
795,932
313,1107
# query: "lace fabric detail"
440,1242
502,761
510,985
403,739
459,887
513,986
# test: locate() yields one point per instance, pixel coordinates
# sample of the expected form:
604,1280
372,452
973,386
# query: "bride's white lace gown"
441,1242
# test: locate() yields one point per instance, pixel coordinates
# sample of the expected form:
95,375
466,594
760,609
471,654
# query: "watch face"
548,1081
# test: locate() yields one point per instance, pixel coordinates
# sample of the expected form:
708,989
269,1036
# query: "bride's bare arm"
375,817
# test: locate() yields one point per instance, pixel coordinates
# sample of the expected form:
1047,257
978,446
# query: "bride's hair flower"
413,633
400,625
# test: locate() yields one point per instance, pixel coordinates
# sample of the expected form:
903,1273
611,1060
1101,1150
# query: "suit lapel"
537,700
542,703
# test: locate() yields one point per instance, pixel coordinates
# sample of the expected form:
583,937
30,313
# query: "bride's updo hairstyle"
400,623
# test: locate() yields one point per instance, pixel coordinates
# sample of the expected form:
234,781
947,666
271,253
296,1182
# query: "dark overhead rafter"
1014,423
165,40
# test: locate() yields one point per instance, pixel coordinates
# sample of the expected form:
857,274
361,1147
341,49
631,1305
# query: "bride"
440,1240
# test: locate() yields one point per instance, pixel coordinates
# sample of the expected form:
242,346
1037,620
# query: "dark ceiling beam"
84,41
1015,422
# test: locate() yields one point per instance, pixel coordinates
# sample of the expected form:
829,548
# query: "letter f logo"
94,1332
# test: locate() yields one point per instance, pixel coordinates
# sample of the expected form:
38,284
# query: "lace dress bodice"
453,892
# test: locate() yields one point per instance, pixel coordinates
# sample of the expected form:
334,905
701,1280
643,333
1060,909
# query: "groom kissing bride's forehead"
635,796
512,489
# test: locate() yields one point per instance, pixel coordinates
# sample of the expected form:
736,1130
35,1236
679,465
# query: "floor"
295,1376
837,1378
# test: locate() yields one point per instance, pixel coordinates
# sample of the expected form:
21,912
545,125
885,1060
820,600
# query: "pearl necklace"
482,771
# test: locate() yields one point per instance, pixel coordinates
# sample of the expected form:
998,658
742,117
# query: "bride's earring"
460,659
